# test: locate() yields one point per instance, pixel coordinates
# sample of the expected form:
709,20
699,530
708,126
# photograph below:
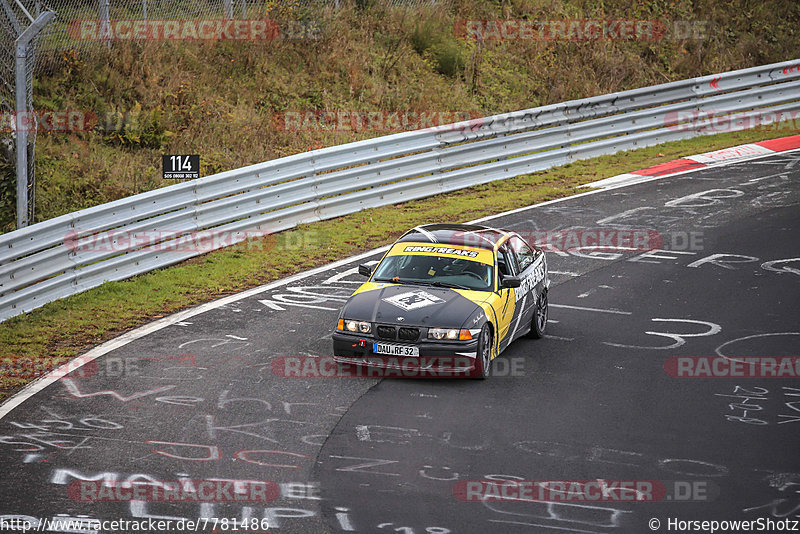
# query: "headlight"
355,326
449,333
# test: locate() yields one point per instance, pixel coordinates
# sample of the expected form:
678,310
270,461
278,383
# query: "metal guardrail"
38,264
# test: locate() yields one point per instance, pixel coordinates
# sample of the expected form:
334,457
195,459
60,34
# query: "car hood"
418,305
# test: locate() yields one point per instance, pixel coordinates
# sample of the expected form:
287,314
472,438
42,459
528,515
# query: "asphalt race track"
201,399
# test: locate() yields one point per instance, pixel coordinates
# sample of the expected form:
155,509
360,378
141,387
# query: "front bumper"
435,358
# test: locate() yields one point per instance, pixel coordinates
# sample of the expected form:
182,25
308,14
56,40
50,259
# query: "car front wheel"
483,361
539,320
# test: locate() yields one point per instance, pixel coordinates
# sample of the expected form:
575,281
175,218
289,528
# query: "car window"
425,269
506,263
525,255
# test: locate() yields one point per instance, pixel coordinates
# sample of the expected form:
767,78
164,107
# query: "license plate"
394,350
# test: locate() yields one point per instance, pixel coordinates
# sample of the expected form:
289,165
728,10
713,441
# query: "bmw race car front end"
411,350
398,326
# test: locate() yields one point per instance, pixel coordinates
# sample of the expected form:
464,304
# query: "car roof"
472,235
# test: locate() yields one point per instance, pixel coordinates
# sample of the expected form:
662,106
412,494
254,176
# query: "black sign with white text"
186,167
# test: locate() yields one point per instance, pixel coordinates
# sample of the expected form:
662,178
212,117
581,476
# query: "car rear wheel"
484,354
539,320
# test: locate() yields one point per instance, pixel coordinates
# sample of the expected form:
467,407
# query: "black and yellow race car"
444,300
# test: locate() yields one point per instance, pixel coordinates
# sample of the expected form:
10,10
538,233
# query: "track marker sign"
180,167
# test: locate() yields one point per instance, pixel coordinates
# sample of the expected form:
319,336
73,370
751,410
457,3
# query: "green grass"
66,328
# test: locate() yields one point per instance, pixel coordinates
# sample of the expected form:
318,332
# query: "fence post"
228,7
21,93
104,18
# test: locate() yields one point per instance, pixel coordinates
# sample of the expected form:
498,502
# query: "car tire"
539,319
483,360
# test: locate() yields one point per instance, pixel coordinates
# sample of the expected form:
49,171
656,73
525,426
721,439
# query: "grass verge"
36,342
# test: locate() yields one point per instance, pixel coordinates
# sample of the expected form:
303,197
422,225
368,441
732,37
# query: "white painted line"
581,308
559,338
626,178
277,305
735,153
565,273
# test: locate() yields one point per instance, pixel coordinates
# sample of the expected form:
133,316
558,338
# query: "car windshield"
441,271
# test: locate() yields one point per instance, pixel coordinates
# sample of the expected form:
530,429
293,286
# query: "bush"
135,128
431,36
449,59
423,36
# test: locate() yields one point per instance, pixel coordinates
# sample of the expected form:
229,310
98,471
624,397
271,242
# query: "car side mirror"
507,282
364,270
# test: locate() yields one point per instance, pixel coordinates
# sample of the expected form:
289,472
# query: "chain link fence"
17,65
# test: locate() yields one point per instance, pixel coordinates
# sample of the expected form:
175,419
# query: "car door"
506,304
526,294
